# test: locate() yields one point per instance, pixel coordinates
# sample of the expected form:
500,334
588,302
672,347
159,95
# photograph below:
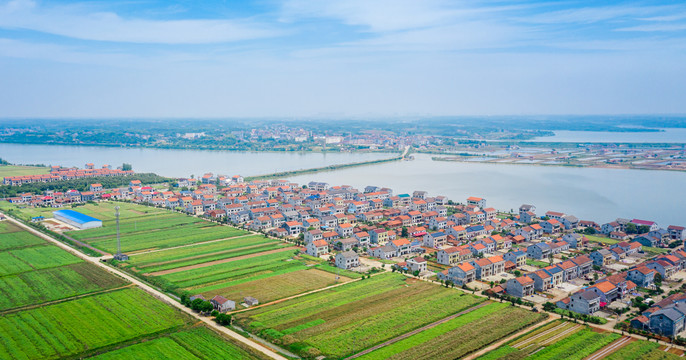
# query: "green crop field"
39,286
44,256
557,340
460,336
200,253
196,343
12,236
641,350
87,323
18,170
344,320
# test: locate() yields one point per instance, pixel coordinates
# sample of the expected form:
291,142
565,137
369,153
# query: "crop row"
643,350
71,327
576,346
35,287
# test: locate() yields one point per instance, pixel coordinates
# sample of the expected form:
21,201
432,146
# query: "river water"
667,135
588,193
180,163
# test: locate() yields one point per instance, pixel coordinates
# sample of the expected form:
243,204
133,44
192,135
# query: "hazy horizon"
333,59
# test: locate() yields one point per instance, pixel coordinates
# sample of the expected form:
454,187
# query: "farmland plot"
71,327
197,343
35,287
641,350
43,257
14,237
346,319
460,336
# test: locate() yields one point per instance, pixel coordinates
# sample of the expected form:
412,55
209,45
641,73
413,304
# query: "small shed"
250,301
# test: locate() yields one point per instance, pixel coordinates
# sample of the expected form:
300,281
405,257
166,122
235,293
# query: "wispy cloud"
74,22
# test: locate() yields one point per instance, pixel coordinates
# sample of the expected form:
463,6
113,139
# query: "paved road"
156,293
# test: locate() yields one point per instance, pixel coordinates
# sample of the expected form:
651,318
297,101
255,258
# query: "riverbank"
681,167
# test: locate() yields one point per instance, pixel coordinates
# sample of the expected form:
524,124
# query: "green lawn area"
344,320
18,170
601,239
460,336
537,263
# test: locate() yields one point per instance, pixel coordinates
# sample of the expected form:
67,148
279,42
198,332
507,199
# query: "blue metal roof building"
77,219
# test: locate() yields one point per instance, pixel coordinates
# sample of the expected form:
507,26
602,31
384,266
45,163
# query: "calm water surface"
669,135
179,163
588,193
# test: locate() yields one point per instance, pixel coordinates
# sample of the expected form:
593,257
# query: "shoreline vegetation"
576,165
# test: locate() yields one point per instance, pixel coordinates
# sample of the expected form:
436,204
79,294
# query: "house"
607,291
570,270
313,235
483,267
384,252
435,240
569,222
574,240
347,260
542,280
379,236
401,246
520,287
518,257
584,302
642,276
647,240
527,208
665,269
652,226
417,264
551,226
619,235
346,244
601,257
676,232
477,249
584,264
557,274
344,230
452,256
668,321
250,301
462,274
498,264
293,227
223,304
317,248
538,251
476,201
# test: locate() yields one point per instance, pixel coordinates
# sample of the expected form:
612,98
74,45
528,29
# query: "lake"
668,135
180,163
594,194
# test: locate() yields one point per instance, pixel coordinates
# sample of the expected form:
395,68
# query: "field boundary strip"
526,341
416,331
501,342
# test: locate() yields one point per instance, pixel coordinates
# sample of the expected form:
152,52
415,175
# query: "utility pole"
119,256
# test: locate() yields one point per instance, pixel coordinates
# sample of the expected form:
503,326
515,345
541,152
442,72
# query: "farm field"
461,335
266,275
556,340
87,323
11,236
19,170
640,350
39,286
358,315
196,254
195,343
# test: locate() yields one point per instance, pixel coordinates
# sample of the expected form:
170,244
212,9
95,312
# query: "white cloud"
74,22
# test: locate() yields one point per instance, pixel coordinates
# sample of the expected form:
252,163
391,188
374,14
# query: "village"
629,271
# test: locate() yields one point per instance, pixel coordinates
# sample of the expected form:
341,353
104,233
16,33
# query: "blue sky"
357,58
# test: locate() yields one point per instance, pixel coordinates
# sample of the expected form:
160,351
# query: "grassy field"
82,324
460,336
607,241
556,340
18,170
12,236
196,343
349,318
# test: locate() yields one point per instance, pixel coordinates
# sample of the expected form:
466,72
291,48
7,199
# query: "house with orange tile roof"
476,201
520,287
461,274
607,291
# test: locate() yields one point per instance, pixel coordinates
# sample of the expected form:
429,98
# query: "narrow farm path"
413,332
158,294
222,261
498,344
607,350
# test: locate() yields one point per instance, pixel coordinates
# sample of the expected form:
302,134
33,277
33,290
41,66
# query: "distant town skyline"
304,58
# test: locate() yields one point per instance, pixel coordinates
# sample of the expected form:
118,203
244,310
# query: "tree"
517,273
631,228
548,306
404,233
415,273
223,319
643,229
126,167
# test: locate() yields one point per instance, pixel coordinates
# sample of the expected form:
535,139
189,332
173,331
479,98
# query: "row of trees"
108,182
